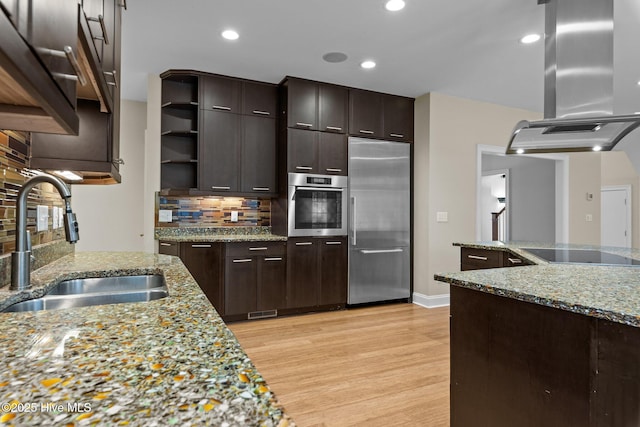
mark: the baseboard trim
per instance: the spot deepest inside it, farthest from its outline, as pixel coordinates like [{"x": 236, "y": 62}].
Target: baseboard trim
[{"x": 431, "y": 301}]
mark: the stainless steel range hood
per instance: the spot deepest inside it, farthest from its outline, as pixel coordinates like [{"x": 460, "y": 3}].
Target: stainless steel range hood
[{"x": 578, "y": 98}]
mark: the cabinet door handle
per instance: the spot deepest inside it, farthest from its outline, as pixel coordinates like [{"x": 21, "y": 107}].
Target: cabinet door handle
[
  {"x": 273, "y": 259},
  {"x": 262, "y": 113},
  {"x": 336, "y": 128},
  {"x": 112, "y": 74},
  {"x": 304, "y": 168},
  {"x": 368, "y": 132},
  {"x": 165, "y": 244},
  {"x": 242, "y": 260},
  {"x": 200, "y": 246},
  {"x": 123, "y": 3},
  {"x": 306, "y": 125},
  {"x": 481, "y": 258},
  {"x": 261, "y": 189},
  {"x": 262, "y": 248},
  {"x": 67, "y": 52},
  {"x": 332, "y": 243},
  {"x": 221, "y": 107},
  {"x": 103, "y": 27},
  {"x": 515, "y": 260},
  {"x": 304, "y": 243},
  {"x": 396, "y": 135},
  {"x": 213, "y": 187},
  {"x": 333, "y": 170}
]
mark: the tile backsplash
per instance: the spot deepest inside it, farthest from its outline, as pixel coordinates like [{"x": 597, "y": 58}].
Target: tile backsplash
[
  {"x": 192, "y": 211},
  {"x": 14, "y": 171}
]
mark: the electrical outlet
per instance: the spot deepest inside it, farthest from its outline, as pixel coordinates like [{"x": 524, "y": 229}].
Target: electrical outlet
[
  {"x": 56, "y": 214},
  {"x": 165, "y": 215},
  {"x": 442, "y": 216},
  {"x": 42, "y": 218},
  {"x": 589, "y": 218},
  {"x": 234, "y": 216}
]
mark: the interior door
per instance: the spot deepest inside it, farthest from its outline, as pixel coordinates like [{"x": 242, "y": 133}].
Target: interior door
[{"x": 615, "y": 209}]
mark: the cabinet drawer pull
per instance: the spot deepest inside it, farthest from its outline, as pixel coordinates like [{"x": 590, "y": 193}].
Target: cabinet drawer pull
[
  {"x": 332, "y": 243},
  {"x": 67, "y": 52},
  {"x": 220, "y": 188},
  {"x": 262, "y": 248},
  {"x": 261, "y": 189},
  {"x": 515, "y": 260},
  {"x": 336, "y": 128},
  {"x": 165, "y": 244},
  {"x": 200, "y": 246},
  {"x": 481, "y": 258},
  {"x": 306, "y": 125},
  {"x": 304, "y": 168},
  {"x": 221, "y": 107},
  {"x": 333, "y": 170},
  {"x": 273, "y": 259},
  {"x": 396, "y": 135},
  {"x": 304, "y": 243},
  {"x": 368, "y": 132},
  {"x": 103, "y": 27},
  {"x": 262, "y": 113},
  {"x": 242, "y": 260}
]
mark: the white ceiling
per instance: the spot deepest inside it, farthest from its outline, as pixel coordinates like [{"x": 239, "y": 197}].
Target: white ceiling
[{"x": 466, "y": 48}]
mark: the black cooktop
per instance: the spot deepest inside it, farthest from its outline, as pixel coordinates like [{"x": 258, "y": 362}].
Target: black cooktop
[{"x": 581, "y": 256}]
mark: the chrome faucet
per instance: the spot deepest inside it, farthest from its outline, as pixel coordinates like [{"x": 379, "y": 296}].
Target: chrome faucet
[{"x": 21, "y": 258}]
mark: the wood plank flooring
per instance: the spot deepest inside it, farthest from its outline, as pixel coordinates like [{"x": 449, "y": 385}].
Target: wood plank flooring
[{"x": 384, "y": 365}]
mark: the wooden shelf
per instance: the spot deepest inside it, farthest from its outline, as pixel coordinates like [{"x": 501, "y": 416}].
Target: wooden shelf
[
  {"x": 166, "y": 162},
  {"x": 180, "y": 132},
  {"x": 180, "y": 105}
]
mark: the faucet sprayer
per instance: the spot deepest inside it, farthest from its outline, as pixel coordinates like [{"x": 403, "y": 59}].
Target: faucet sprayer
[{"x": 21, "y": 258}]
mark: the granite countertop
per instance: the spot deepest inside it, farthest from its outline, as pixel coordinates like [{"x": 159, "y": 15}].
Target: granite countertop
[
  {"x": 171, "y": 361},
  {"x": 606, "y": 292},
  {"x": 217, "y": 234}
]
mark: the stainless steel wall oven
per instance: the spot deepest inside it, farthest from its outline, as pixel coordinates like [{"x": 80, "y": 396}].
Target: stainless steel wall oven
[{"x": 317, "y": 205}]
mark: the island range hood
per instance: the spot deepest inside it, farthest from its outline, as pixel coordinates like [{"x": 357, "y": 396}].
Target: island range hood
[{"x": 578, "y": 97}]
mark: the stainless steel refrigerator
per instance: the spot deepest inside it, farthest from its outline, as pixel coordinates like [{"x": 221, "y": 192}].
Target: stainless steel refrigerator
[{"x": 379, "y": 220}]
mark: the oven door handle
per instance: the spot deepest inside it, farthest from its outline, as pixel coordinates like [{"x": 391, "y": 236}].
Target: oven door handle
[{"x": 320, "y": 189}]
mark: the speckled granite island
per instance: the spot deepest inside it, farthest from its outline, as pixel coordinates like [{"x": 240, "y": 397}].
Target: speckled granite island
[
  {"x": 171, "y": 361},
  {"x": 545, "y": 344}
]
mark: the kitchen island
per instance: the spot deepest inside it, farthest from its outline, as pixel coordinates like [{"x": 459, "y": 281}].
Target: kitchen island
[
  {"x": 171, "y": 361},
  {"x": 545, "y": 344}
]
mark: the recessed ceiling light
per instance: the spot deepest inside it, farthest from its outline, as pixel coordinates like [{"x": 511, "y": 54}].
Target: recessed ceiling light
[
  {"x": 334, "y": 57},
  {"x": 368, "y": 64},
  {"x": 597, "y": 148},
  {"x": 530, "y": 38},
  {"x": 394, "y": 5},
  {"x": 230, "y": 35}
]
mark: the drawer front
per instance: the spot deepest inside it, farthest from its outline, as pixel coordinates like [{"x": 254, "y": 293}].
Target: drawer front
[
  {"x": 472, "y": 259},
  {"x": 169, "y": 248},
  {"x": 245, "y": 249}
]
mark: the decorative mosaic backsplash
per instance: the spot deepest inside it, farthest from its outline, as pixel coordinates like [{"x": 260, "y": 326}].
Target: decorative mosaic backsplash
[
  {"x": 191, "y": 211},
  {"x": 14, "y": 162}
]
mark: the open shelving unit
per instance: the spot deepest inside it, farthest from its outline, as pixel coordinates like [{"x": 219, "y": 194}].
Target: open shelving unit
[{"x": 179, "y": 132}]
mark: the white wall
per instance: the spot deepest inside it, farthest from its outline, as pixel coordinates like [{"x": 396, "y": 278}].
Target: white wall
[
  {"x": 110, "y": 217},
  {"x": 152, "y": 159}
]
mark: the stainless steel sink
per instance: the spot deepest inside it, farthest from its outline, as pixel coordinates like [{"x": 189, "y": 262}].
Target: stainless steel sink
[{"x": 97, "y": 291}]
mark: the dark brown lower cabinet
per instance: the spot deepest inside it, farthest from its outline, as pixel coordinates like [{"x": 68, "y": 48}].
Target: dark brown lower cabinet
[
  {"x": 515, "y": 363},
  {"x": 255, "y": 279},
  {"x": 204, "y": 262},
  {"x": 316, "y": 273}
]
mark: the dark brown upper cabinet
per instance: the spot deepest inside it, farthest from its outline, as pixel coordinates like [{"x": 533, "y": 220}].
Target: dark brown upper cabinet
[
  {"x": 398, "y": 118},
  {"x": 316, "y": 152},
  {"x": 37, "y": 39},
  {"x": 258, "y": 155},
  {"x": 333, "y": 104},
  {"x": 380, "y": 116},
  {"x": 312, "y": 105},
  {"x": 219, "y": 151},
  {"x": 365, "y": 113},
  {"x": 332, "y": 154},
  {"x": 259, "y": 99},
  {"x": 220, "y": 94}
]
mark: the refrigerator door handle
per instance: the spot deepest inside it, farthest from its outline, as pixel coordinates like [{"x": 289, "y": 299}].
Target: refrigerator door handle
[
  {"x": 380, "y": 251},
  {"x": 353, "y": 204}
]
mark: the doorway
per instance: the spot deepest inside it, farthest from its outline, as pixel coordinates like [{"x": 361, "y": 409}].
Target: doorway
[
  {"x": 615, "y": 210},
  {"x": 493, "y": 205}
]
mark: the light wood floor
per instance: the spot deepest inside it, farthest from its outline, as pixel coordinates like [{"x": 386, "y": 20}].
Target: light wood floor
[{"x": 376, "y": 366}]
